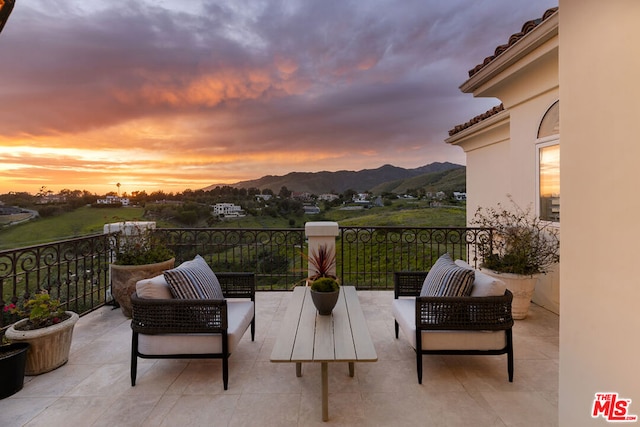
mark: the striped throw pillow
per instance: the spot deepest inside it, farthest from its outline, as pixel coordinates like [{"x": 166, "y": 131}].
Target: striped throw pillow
[
  {"x": 194, "y": 280},
  {"x": 446, "y": 279}
]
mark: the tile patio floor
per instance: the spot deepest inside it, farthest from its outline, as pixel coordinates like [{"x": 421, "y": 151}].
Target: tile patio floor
[{"x": 94, "y": 389}]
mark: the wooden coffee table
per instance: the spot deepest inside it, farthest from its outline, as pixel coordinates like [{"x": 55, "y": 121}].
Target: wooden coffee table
[{"x": 306, "y": 336}]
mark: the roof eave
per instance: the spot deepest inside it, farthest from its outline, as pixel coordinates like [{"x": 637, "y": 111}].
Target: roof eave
[
  {"x": 483, "y": 126},
  {"x": 542, "y": 33}
]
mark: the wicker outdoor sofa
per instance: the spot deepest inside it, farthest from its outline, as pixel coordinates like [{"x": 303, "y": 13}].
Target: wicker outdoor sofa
[
  {"x": 167, "y": 328},
  {"x": 469, "y": 325}
]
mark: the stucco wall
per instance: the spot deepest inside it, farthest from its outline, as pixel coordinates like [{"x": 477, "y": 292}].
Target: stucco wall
[
  {"x": 501, "y": 156},
  {"x": 525, "y": 121},
  {"x": 483, "y": 153},
  {"x": 599, "y": 113}
]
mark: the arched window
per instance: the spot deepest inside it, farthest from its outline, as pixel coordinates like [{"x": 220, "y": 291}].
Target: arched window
[{"x": 548, "y": 162}]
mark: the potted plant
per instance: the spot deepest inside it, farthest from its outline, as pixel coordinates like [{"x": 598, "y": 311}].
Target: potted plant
[
  {"x": 140, "y": 253},
  {"x": 520, "y": 248},
  {"x": 48, "y": 330},
  {"x": 324, "y": 294},
  {"x": 325, "y": 288}
]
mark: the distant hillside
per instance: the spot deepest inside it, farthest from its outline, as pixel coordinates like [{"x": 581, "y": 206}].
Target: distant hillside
[
  {"x": 447, "y": 181},
  {"x": 382, "y": 178}
]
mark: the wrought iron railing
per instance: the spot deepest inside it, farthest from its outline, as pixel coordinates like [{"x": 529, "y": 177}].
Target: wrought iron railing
[
  {"x": 275, "y": 255},
  {"x": 77, "y": 270},
  {"x": 368, "y": 256}
]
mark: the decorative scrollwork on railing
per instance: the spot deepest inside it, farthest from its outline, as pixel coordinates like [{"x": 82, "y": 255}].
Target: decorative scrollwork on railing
[
  {"x": 74, "y": 271},
  {"x": 368, "y": 256},
  {"x": 77, "y": 270},
  {"x": 275, "y": 255}
]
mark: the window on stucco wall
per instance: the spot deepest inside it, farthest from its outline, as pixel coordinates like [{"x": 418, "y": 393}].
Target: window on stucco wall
[{"x": 548, "y": 163}]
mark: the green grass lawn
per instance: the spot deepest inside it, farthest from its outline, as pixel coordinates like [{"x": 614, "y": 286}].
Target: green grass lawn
[
  {"x": 399, "y": 214},
  {"x": 407, "y": 217},
  {"x": 79, "y": 222},
  {"x": 86, "y": 220}
]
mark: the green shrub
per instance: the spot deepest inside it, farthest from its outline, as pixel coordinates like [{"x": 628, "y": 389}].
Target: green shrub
[
  {"x": 520, "y": 243},
  {"x": 324, "y": 284}
]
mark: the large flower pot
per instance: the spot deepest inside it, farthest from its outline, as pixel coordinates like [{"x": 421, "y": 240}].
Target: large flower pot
[
  {"x": 325, "y": 301},
  {"x": 13, "y": 358},
  {"x": 125, "y": 277},
  {"x": 522, "y": 288},
  {"x": 48, "y": 347}
]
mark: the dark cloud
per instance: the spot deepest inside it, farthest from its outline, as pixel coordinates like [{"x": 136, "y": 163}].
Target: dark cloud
[{"x": 253, "y": 77}]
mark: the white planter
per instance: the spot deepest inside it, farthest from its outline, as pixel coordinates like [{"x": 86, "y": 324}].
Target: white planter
[
  {"x": 522, "y": 288},
  {"x": 48, "y": 347}
]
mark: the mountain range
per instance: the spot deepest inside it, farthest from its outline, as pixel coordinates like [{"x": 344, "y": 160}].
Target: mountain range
[{"x": 432, "y": 177}]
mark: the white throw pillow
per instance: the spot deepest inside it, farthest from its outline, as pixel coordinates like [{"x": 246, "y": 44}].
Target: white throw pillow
[
  {"x": 154, "y": 288},
  {"x": 483, "y": 284}
]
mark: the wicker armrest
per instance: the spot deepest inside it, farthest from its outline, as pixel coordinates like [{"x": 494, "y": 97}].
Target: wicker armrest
[
  {"x": 238, "y": 285},
  {"x": 464, "y": 313},
  {"x": 165, "y": 316},
  {"x": 408, "y": 283}
]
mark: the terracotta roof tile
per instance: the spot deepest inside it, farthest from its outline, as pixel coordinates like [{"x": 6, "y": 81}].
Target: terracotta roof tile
[
  {"x": 526, "y": 28},
  {"x": 477, "y": 119}
]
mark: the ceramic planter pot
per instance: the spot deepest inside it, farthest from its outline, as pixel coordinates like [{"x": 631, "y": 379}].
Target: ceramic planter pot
[
  {"x": 522, "y": 288},
  {"x": 125, "y": 277},
  {"x": 325, "y": 301},
  {"x": 13, "y": 359},
  {"x": 48, "y": 347}
]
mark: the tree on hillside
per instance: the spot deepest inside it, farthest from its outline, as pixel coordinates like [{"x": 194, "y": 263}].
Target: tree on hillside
[{"x": 284, "y": 193}]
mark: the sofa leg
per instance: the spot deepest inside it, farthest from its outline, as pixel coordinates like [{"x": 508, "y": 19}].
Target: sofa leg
[
  {"x": 510, "y": 366},
  {"x": 510, "y": 354},
  {"x": 134, "y": 358},
  {"x": 419, "y": 366},
  {"x": 225, "y": 372},
  {"x": 397, "y": 328},
  {"x": 253, "y": 329}
]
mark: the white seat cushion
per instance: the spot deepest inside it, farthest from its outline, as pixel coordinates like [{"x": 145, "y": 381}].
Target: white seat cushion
[
  {"x": 404, "y": 311},
  {"x": 239, "y": 314}
]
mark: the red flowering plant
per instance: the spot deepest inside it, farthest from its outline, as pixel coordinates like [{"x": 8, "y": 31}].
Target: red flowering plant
[{"x": 41, "y": 311}]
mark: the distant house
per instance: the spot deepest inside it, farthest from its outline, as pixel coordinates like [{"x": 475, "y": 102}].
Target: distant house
[
  {"x": 9, "y": 210},
  {"x": 114, "y": 200},
  {"x": 264, "y": 197},
  {"x": 361, "y": 198},
  {"x": 459, "y": 196},
  {"x": 303, "y": 196},
  {"x": 311, "y": 210},
  {"x": 328, "y": 197},
  {"x": 439, "y": 195},
  {"x": 228, "y": 210},
  {"x": 51, "y": 198}
]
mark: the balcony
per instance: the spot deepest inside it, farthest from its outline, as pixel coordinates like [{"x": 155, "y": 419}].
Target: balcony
[{"x": 94, "y": 388}]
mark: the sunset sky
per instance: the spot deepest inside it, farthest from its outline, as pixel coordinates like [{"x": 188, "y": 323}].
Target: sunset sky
[{"x": 169, "y": 95}]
